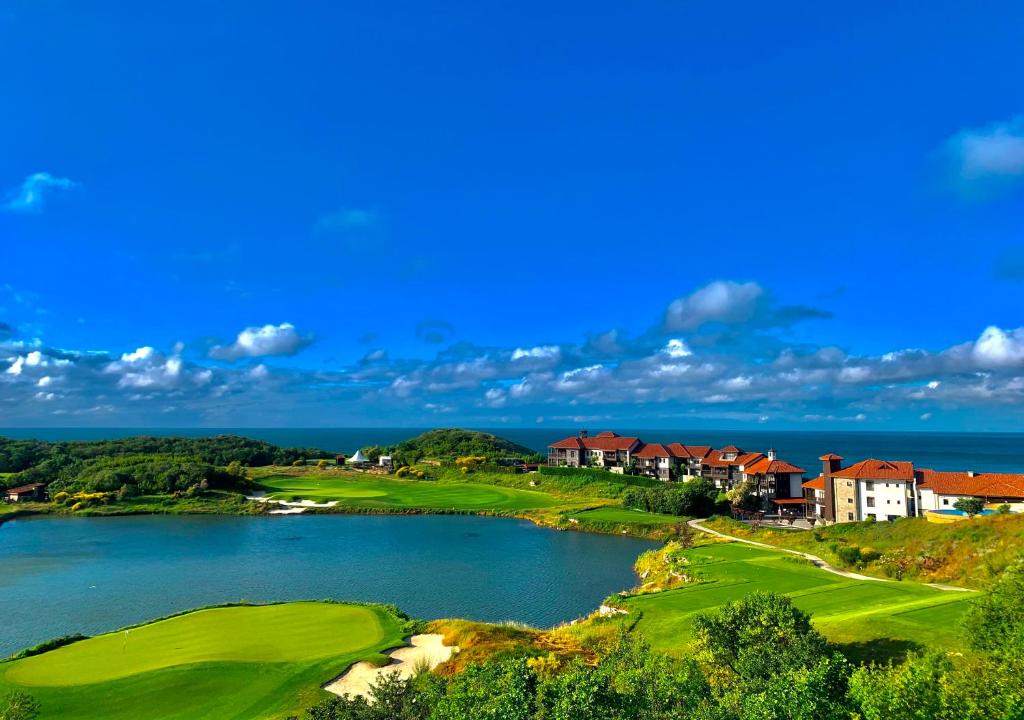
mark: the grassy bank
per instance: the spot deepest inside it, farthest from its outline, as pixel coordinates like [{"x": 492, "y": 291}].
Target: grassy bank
[
  {"x": 552, "y": 501},
  {"x": 969, "y": 553},
  {"x": 235, "y": 662},
  {"x": 869, "y": 619}
]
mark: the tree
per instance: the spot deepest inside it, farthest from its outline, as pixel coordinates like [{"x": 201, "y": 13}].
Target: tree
[
  {"x": 753, "y": 638},
  {"x": 994, "y": 623},
  {"x": 970, "y": 505},
  {"x": 19, "y": 706}
]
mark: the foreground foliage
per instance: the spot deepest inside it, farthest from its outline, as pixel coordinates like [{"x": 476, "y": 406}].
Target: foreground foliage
[{"x": 758, "y": 658}]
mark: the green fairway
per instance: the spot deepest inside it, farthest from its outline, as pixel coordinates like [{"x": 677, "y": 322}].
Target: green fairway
[
  {"x": 627, "y": 516},
  {"x": 389, "y": 493},
  {"x": 846, "y": 611},
  {"x": 222, "y": 663}
]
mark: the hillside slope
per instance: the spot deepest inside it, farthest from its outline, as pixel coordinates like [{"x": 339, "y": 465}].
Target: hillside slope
[
  {"x": 969, "y": 553},
  {"x": 450, "y": 443}
]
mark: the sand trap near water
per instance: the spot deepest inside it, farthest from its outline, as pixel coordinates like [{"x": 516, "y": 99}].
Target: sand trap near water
[{"x": 428, "y": 650}]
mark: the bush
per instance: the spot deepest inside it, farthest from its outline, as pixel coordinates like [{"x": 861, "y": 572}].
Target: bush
[
  {"x": 60, "y": 498},
  {"x": 695, "y": 498},
  {"x": 849, "y": 555}
]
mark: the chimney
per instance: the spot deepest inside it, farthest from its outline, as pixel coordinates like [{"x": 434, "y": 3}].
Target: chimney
[
  {"x": 583, "y": 434},
  {"x": 771, "y": 454},
  {"x": 830, "y": 465}
]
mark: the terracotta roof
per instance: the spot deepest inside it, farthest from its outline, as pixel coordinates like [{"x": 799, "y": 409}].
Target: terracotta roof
[
  {"x": 872, "y": 469},
  {"x": 607, "y": 434},
  {"x": 653, "y": 450},
  {"x": 694, "y": 451},
  {"x": 1002, "y": 485},
  {"x": 610, "y": 442},
  {"x": 831, "y": 456},
  {"x": 731, "y": 449},
  {"x": 24, "y": 488},
  {"x": 714, "y": 459},
  {"x": 817, "y": 483},
  {"x": 573, "y": 442},
  {"x": 764, "y": 465},
  {"x": 746, "y": 459}
]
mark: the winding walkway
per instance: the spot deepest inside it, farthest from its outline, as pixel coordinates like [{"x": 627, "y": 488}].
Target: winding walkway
[{"x": 698, "y": 524}]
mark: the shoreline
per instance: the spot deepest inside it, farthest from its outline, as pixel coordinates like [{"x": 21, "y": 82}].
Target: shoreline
[{"x": 659, "y": 533}]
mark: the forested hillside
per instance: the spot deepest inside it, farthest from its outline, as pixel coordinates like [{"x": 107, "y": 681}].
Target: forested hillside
[
  {"x": 449, "y": 444},
  {"x": 165, "y": 463}
]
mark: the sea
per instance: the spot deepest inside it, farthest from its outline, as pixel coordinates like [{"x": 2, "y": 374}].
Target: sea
[{"x": 980, "y": 452}]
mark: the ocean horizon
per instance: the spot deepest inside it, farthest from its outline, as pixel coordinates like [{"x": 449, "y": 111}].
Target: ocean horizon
[{"x": 980, "y": 451}]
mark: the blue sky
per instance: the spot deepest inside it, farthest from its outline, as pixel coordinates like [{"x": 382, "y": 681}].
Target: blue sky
[{"x": 657, "y": 214}]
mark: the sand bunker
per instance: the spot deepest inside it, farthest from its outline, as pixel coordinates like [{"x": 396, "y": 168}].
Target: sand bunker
[
  {"x": 426, "y": 650},
  {"x": 291, "y": 508}
]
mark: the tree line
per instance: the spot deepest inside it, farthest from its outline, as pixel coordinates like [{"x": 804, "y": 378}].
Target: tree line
[{"x": 150, "y": 462}]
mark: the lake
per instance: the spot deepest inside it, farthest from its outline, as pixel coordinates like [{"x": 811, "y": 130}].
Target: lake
[{"x": 91, "y": 575}]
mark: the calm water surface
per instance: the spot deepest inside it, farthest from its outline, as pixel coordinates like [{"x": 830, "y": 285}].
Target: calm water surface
[{"x": 90, "y": 575}]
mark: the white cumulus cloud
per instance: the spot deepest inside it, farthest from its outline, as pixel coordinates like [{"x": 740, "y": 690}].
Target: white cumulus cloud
[
  {"x": 722, "y": 301},
  {"x": 280, "y": 339}
]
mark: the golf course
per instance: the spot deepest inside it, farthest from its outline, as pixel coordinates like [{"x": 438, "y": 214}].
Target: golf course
[
  {"x": 229, "y": 663},
  {"x": 355, "y": 490},
  {"x": 876, "y": 616}
]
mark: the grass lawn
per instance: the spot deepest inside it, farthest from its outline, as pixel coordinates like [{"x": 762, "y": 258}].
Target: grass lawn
[
  {"x": 626, "y": 516},
  {"x": 374, "y": 491},
  {"x": 874, "y": 619},
  {"x": 231, "y": 663}
]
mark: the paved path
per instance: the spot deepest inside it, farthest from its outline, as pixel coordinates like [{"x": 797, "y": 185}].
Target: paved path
[{"x": 817, "y": 561}]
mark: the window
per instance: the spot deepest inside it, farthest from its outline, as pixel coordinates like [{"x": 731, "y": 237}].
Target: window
[
  {"x": 898, "y": 502},
  {"x": 849, "y": 516},
  {"x": 869, "y": 485},
  {"x": 849, "y": 483},
  {"x": 849, "y": 500},
  {"x": 888, "y": 502},
  {"x": 890, "y": 518},
  {"x": 871, "y": 502},
  {"x": 945, "y": 501}
]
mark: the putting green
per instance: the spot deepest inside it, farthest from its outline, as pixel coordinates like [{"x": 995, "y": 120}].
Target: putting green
[
  {"x": 382, "y": 492},
  {"x": 232, "y": 663},
  {"x": 846, "y": 611},
  {"x": 271, "y": 633}
]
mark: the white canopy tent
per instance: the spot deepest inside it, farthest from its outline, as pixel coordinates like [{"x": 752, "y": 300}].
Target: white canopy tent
[{"x": 358, "y": 458}]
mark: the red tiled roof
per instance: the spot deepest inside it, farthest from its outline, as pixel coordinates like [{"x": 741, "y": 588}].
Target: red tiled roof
[
  {"x": 694, "y": 451},
  {"x": 817, "y": 483},
  {"x": 714, "y": 459},
  {"x": 601, "y": 441},
  {"x": 610, "y": 441},
  {"x": 573, "y": 442},
  {"x": 731, "y": 449},
  {"x": 746, "y": 459},
  {"x": 653, "y": 450},
  {"x": 764, "y": 465},
  {"x": 1002, "y": 485},
  {"x": 872, "y": 469},
  {"x": 831, "y": 456}
]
